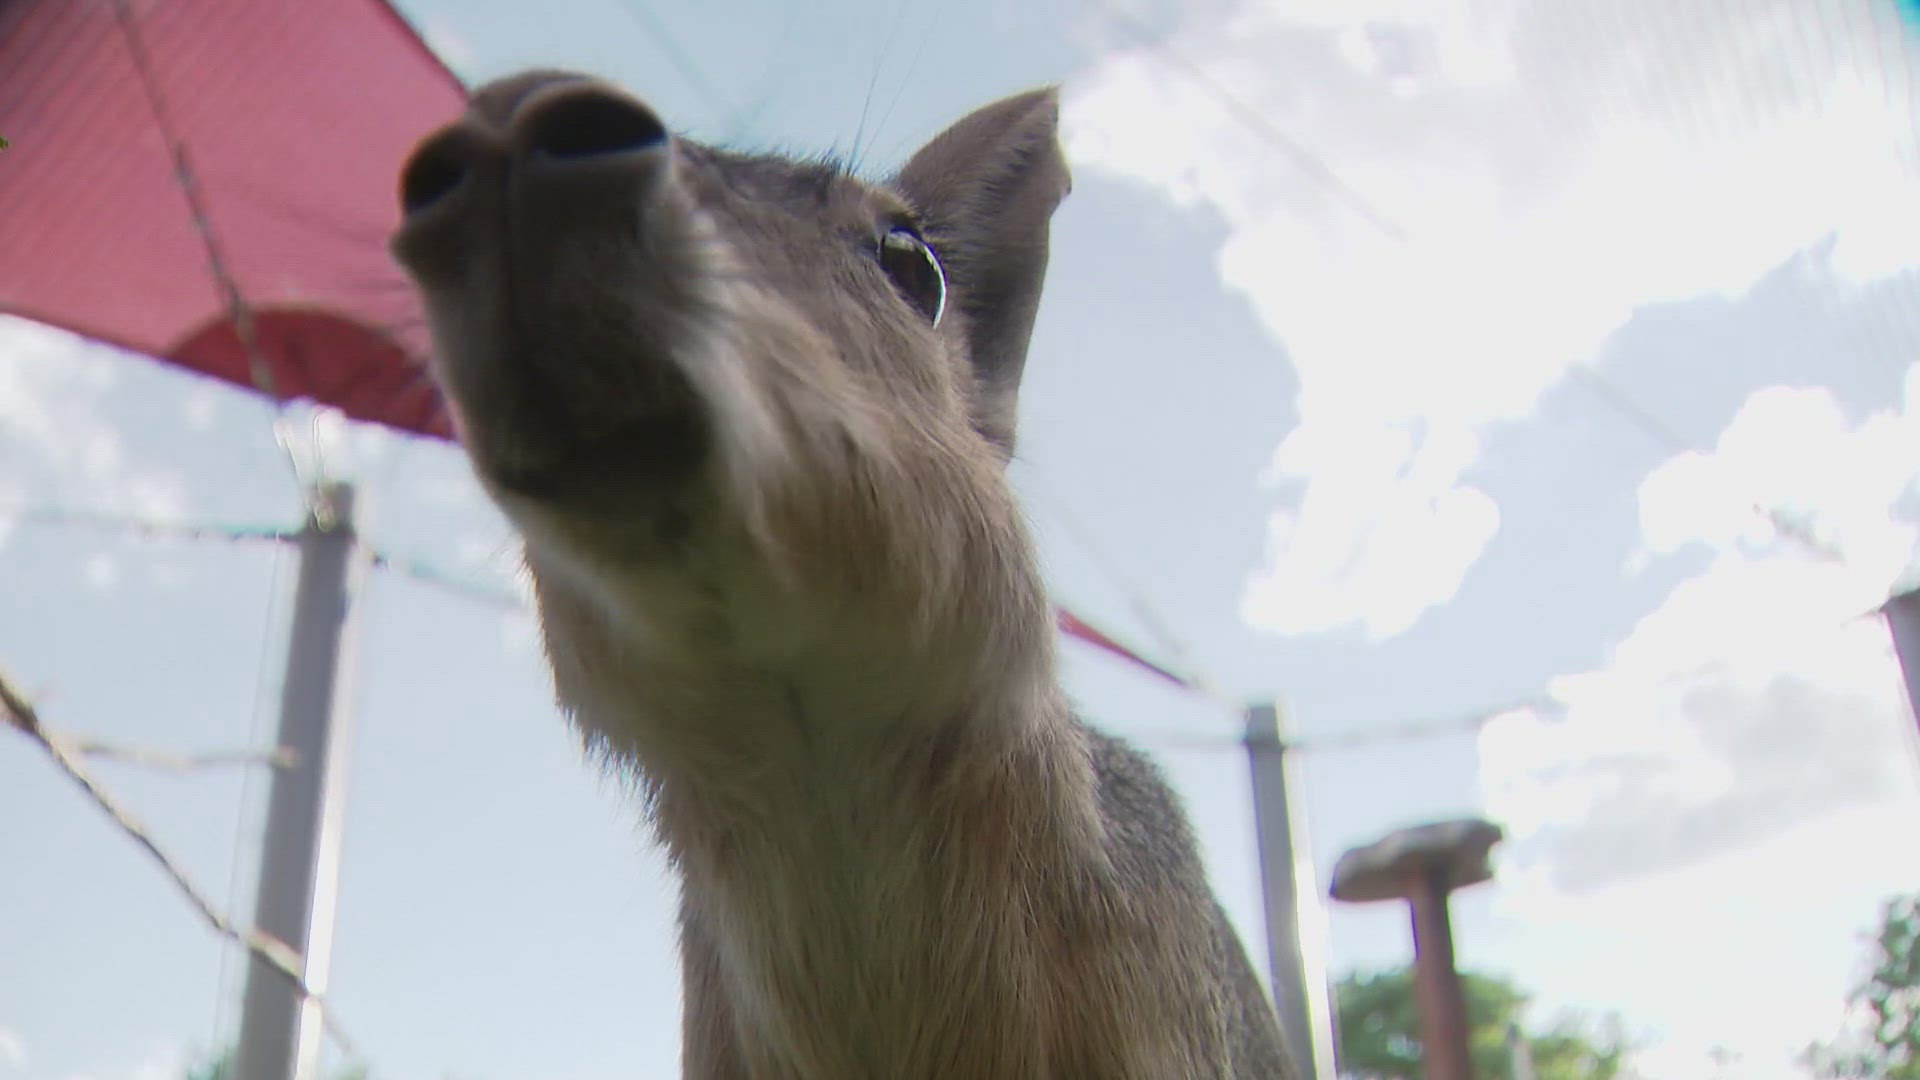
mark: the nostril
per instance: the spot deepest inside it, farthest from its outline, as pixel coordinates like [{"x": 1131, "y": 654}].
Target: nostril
[
  {"x": 431, "y": 175},
  {"x": 580, "y": 125}
]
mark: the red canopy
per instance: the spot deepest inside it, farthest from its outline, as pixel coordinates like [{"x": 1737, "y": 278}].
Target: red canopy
[
  {"x": 291, "y": 117},
  {"x": 187, "y": 174}
]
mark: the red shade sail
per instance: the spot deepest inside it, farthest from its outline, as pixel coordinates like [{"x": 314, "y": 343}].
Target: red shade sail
[
  {"x": 212, "y": 183},
  {"x": 150, "y": 137}
]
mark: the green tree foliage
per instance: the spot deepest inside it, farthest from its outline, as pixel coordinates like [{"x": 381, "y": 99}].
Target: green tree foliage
[
  {"x": 1380, "y": 1032},
  {"x": 1885, "y": 1006}
]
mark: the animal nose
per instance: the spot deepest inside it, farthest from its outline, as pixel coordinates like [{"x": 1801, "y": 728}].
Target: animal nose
[
  {"x": 584, "y": 121},
  {"x": 437, "y": 169},
  {"x": 557, "y": 124}
]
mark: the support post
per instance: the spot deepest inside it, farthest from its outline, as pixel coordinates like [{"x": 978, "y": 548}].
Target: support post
[
  {"x": 300, "y": 859},
  {"x": 1443, "y": 1009},
  {"x": 1519, "y": 1054},
  {"x": 1421, "y": 865},
  {"x": 1296, "y": 975},
  {"x": 1903, "y": 622}
]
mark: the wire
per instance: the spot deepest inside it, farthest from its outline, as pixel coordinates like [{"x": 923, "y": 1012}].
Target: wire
[
  {"x": 1433, "y": 726},
  {"x": 1671, "y": 441},
  {"x": 244, "y": 327},
  {"x": 67, "y": 751},
  {"x": 1250, "y": 118},
  {"x": 654, "y": 28},
  {"x": 449, "y": 583},
  {"x": 146, "y": 757},
  {"x": 873, "y": 81},
  {"x": 146, "y": 528},
  {"x": 1401, "y": 731},
  {"x": 1135, "y": 597},
  {"x": 1649, "y": 425},
  {"x": 247, "y": 810},
  {"x": 1430, "y": 727},
  {"x": 20, "y": 714},
  {"x": 913, "y": 65}
]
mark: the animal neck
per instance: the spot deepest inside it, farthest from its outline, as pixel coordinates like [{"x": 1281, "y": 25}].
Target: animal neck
[
  {"x": 878, "y": 831},
  {"x": 894, "y": 918}
]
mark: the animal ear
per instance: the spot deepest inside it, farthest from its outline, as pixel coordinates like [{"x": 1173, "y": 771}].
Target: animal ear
[{"x": 985, "y": 190}]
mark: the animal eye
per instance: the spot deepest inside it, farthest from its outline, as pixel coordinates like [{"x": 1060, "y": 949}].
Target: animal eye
[{"x": 915, "y": 271}]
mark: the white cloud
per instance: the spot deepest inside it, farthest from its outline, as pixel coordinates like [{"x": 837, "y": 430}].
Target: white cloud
[
  {"x": 1553, "y": 168},
  {"x": 1837, "y": 544},
  {"x": 13, "y": 1049},
  {"x": 1754, "y": 696},
  {"x": 1397, "y": 521},
  {"x": 1792, "y": 452},
  {"x": 61, "y": 453},
  {"x": 1754, "y": 949},
  {"x": 1642, "y": 775},
  {"x": 1698, "y": 852},
  {"x": 1697, "y": 835}
]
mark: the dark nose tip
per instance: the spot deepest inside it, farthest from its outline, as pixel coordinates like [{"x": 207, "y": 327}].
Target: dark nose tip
[
  {"x": 553, "y": 119},
  {"x": 438, "y": 167},
  {"x": 587, "y": 121}
]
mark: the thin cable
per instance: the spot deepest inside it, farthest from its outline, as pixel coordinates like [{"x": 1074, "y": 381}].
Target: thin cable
[
  {"x": 246, "y": 811},
  {"x": 164, "y": 761},
  {"x": 1400, "y": 731},
  {"x": 497, "y": 557},
  {"x": 146, "y": 529},
  {"x": 20, "y": 714},
  {"x": 1250, "y": 118},
  {"x": 238, "y": 310},
  {"x": 873, "y": 81},
  {"x": 465, "y": 588},
  {"x": 189, "y": 185},
  {"x": 651, "y": 25},
  {"x": 1135, "y": 597},
  {"x": 913, "y": 65},
  {"x": 1671, "y": 441},
  {"x": 428, "y": 574},
  {"x": 1455, "y": 723},
  {"x": 1649, "y": 425}
]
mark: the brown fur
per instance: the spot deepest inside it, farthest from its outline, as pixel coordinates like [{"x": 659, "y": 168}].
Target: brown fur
[{"x": 783, "y": 579}]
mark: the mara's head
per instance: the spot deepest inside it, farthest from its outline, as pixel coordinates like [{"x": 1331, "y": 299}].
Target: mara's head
[{"x": 639, "y": 332}]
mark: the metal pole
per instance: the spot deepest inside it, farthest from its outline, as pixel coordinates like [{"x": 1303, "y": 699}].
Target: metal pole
[
  {"x": 1519, "y": 1054},
  {"x": 1299, "y": 987},
  {"x": 1903, "y": 621},
  {"x": 300, "y": 859},
  {"x": 1443, "y": 1009}
]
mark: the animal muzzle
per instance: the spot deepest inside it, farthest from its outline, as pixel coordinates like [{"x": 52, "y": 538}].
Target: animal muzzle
[{"x": 563, "y": 264}]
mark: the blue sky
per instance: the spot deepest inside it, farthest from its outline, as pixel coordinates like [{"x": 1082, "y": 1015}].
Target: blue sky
[{"x": 1620, "y": 409}]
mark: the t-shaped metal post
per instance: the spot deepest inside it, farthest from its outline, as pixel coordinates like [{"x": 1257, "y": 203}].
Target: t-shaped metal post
[{"x": 1422, "y": 865}]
